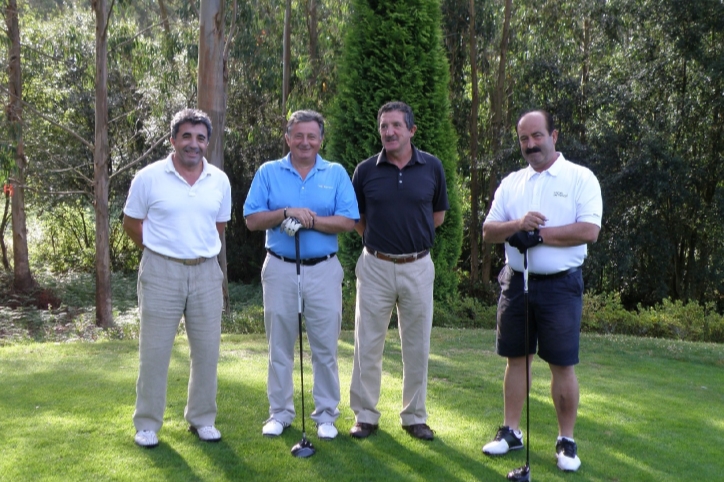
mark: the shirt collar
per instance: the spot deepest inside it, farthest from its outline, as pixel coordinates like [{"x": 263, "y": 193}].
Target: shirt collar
[
  {"x": 415, "y": 159},
  {"x": 171, "y": 168},
  {"x": 554, "y": 170},
  {"x": 319, "y": 163}
]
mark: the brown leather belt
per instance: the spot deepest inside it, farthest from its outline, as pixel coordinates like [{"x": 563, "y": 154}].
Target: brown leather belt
[
  {"x": 187, "y": 262},
  {"x": 396, "y": 260}
]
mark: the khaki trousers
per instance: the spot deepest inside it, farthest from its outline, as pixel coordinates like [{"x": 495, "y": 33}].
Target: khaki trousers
[
  {"x": 322, "y": 302},
  {"x": 168, "y": 290},
  {"x": 382, "y": 285}
]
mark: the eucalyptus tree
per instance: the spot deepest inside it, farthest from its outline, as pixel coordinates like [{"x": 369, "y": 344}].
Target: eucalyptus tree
[
  {"x": 22, "y": 277},
  {"x": 391, "y": 54}
]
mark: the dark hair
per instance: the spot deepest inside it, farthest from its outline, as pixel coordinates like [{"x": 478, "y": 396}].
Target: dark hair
[
  {"x": 194, "y": 116},
  {"x": 398, "y": 106},
  {"x": 306, "y": 116},
  {"x": 550, "y": 123}
]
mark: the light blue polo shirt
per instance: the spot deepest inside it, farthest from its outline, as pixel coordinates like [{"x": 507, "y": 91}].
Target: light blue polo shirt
[{"x": 327, "y": 190}]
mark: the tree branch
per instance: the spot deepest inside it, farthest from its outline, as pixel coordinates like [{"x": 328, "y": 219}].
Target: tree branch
[
  {"x": 142, "y": 157},
  {"x": 232, "y": 32},
  {"x": 47, "y": 119},
  {"x": 135, "y": 36}
]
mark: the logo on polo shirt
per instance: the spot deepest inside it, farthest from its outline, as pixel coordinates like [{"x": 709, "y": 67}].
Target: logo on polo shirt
[
  {"x": 322, "y": 186},
  {"x": 559, "y": 194}
]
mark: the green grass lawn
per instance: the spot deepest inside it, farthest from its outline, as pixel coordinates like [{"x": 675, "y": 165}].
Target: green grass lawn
[{"x": 651, "y": 410}]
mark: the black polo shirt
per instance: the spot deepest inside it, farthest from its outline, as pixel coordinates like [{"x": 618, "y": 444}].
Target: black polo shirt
[{"x": 398, "y": 203}]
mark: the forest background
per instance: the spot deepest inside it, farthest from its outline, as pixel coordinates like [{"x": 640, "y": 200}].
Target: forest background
[{"x": 636, "y": 86}]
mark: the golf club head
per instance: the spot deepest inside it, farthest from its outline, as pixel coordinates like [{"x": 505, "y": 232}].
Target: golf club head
[
  {"x": 303, "y": 449},
  {"x": 521, "y": 474}
]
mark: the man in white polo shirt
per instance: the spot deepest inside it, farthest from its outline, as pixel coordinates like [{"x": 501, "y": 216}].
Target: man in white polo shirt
[
  {"x": 176, "y": 211},
  {"x": 552, "y": 208}
]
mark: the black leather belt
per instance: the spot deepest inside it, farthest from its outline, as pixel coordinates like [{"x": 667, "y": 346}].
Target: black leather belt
[
  {"x": 540, "y": 277},
  {"x": 398, "y": 260},
  {"x": 187, "y": 262},
  {"x": 304, "y": 262}
]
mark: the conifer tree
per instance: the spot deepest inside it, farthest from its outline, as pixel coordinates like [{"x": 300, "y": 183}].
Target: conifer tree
[{"x": 393, "y": 51}]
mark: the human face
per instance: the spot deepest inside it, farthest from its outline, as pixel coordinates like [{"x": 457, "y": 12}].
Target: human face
[
  {"x": 536, "y": 144},
  {"x": 190, "y": 145},
  {"x": 304, "y": 142},
  {"x": 396, "y": 137}
]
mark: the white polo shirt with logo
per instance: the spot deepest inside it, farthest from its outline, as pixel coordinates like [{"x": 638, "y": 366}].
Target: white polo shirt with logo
[{"x": 565, "y": 193}]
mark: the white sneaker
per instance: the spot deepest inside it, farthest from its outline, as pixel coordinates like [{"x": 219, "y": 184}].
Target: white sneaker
[
  {"x": 146, "y": 439},
  {"x": 273, "y": 428},
  {"x": 566, "y": 453},
  {"x": 206, "y": 434},
  {"x": 326, "y": 431}
]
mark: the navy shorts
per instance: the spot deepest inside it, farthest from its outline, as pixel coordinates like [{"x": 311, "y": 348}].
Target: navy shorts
[{"x": 555, "y": 307}]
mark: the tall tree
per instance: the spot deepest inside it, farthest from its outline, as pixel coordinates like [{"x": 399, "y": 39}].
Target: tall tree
[
  {"x": 23, "y": 279},
  {"x": 474, "y": 230},
  {"x": 286, "y": 64},
  {"x": 101, "y": 155},
  {"x": 211, "y": 83},
  {"x": 414, "y": 71},
  {"x": 497, "y": 124}
]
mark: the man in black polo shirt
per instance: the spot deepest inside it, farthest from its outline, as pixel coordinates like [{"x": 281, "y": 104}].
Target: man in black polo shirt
[{"x": 402, "y": 198}]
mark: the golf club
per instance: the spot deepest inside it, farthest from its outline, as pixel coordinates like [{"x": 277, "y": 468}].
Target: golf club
[
  {"x": 304, "y": 448},
  {"x": 522, "y": 474}
]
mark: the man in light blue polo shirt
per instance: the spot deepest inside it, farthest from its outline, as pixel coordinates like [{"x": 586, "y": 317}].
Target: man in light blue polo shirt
[{"x": 302, "y": 192}]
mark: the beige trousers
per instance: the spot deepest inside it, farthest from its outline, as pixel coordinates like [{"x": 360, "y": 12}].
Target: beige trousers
[
  {"x": 168, "y": 290},
  {"x": 322, "y": 299},
  {"x": 382, "y": 285}
]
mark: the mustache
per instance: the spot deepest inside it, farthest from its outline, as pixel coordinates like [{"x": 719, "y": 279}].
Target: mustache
[{"x": 532, "y": 150}]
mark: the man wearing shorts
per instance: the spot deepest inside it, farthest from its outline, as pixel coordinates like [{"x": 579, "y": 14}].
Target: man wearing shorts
[{"x": 553, "y": 209}]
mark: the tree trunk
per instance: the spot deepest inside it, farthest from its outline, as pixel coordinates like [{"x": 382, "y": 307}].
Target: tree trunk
[
  {"x": 474, "y": 188},
  {"x": 312, "y": 24},
  {"x": 212, "y": 95},
  {"x": 3, "y": 226},
  {"x": 164, "y": 17},
  {"x": 286, "y": 66},
  {"x": 497, "y": 128},
  {"x": 101, "y": 154},
  {"x": 23, "y": 278}
]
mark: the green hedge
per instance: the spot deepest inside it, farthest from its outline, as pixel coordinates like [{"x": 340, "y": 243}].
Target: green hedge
[{"x": 689, "y": 321}]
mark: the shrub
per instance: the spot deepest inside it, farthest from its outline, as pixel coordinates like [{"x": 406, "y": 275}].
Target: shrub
[{"x": 604, "y": 313}]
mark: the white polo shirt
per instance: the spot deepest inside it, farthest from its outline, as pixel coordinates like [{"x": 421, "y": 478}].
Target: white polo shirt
[
  {"x": 179, "y": 220},
  {"x": 565, "y": 193}
]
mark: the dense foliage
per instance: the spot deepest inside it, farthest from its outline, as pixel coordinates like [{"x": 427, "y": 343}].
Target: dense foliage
[
  {"x": 637, "y": 87},
  {"x": 391, "y": 54}
]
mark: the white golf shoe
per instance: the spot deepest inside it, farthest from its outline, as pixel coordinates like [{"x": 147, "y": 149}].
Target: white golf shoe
[
  {"x": 206, "y": 434},
  {"x": 273, "y": 428},
  {"x": 326, "y": 431},
  {"x": 566, "y": 453},
  {"x": 146, "y": 439},
  {"x": 504, "y": 441}
]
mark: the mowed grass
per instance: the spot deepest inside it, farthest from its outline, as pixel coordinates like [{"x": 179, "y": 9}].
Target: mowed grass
[{"x": 651, "y": 410}]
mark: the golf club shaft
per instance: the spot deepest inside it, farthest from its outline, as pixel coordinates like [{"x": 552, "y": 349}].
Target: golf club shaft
[
  {"x": 299, "y": 311},
  {"x": 527, "y": 367}
]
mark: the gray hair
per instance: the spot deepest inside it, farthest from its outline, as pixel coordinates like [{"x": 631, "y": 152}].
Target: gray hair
[
  {"x": 194, "y": 116},
  {"x": 306, "y": 116},
  {"x": 400, "y": 107}
]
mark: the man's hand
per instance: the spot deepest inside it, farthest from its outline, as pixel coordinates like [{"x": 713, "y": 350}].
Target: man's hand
[
  {"x": 523, "y": 240},
  {"x": 290, "y": 226}
]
